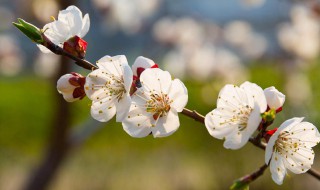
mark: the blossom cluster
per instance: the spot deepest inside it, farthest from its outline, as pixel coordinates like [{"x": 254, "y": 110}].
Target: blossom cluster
[
  {"x": 243, "y": 110},
  {"x": 147, "y": 100}
]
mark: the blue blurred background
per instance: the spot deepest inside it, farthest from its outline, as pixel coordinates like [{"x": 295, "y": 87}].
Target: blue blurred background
[{"x": 206, "y": 43}]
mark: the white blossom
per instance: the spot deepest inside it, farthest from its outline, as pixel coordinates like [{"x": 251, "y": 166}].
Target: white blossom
[
  {"x": 237, "y": 115},
  {"x": 70, "y": 23},
  {"x": 275, "y": 99},
  {"x": 155, "y": 105},
  {"x": 290, "y": 147},
  {"x": 108, "y": 87}
]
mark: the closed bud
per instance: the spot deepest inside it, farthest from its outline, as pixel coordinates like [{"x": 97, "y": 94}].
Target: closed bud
[
  {"x": 71, "y": 86},
  {"x": 76, "y": 46},
  {"x": 275, "y": 99}
]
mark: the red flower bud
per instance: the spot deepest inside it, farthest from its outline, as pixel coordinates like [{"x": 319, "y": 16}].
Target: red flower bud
[{"x": 76, "y": 46}]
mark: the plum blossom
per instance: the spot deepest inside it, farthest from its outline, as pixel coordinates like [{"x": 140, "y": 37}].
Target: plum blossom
[
  {"x": 237, "y": 115},
  {"x": 70, "y": 23},
  {"x": 108, "y": 87},
  {"x": 275, "y": 99},
  {"x": 71, "y": 86},
  {"x": 290, "y": 147},
  {"x": 155, "y": 105}
]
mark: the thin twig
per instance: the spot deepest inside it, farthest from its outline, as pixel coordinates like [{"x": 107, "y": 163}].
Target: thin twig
[
  {"x": 251, "y": 177},
  {"x": 193, "y": 114}
]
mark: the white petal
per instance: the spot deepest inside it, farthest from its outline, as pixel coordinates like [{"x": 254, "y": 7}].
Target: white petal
[
  {"x": 103, "y": 110},
  {"x": 275, "y": 99},
  {"x": 253, "y": 121},
  {"x": 156, "y": 80},
  {"x": 166, "y": 125},
  {"x": 290, "y": 123},
  {"x": 123, "y": 107},
  {"x": 300, "y": 161},
  {"x": 235, "y": 140},
  {"x": 138, "y": 121},
  {"x": 68, "y": 96},
  {"x": 269, "y": 148},
  {"x": 232, "y": 97},
  {"x": 277, "y": 168},
  {"x": 142, "y": 62},
  {"x": 72, "y": 17},
  {"x": 85, "y": 26},
  {"x": 127, "y": 77},
  {"x": 178, "y": 93},
  {"x": 113, "y": 65},
  {"x": 95, "y": 85},
  {"x": 63, "y": 84},
  {"x": 60, "y": 31},
  {"x": 216, "y": 125},
  {"x": 257, "y": 93},
  {"x": 306, "y": 132}
]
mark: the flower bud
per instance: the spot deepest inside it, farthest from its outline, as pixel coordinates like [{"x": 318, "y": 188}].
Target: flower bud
[
  {"x": 275, "y": 99},
  {"x": 71, "y": 86},
  {"x": 142, "y": 63},
  {"x": 76, "y": 46}
]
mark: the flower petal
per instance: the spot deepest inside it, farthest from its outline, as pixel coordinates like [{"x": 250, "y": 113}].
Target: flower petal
[
  {"x": 95, "y": 87},
  {"x": 123, "y": 107},
  {"x": 166, "y": 125},
  {"x": 156, "y": 80},
  {"x": 72, "y": 17},
  {"x": 216, "y": 124},
  {"x": 142, "y": 62},
  {"x": 85, "y": 26},
  {"x": 103, "y": 110},
  {"x": 113, "y": 64},
  {"x": 306, "y": 132},
  {"x": 253, "y": 121},
  {"x": 269, "y": 148},
  {"x": 138, "y": 121},
  {"x": 290, "y": 123},
  {"x": 277, "y": 168},
  {"x": 232, "y": 97},
  {"x": 128, "y": 77},
  {"x": 178, "y": 93},
  {"x": 299, "y": 161},
  {"x": 257, "y": 93}
]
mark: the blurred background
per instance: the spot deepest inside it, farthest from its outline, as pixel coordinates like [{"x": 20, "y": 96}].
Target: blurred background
[{"x": 205, "y": 43}]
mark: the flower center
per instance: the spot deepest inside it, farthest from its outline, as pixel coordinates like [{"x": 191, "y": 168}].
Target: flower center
[
  {"x": 116, "y": 87},
  {"x": 240, "y": 117},
  {"x": 285, "y": 143},
  {"x": 159, "y": 105},
  {"x": 243, "y": 116}
]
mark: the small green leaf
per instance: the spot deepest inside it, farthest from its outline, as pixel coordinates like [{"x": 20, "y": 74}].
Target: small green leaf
[
  {"x": 29, "y": 30},
  {"x": 239, "y": 185}
]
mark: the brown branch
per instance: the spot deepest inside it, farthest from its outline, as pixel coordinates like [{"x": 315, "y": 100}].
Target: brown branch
[
  {"x": 193, "y": 114},
  {"x": 59, "y": 146},
  {"x": 244, "y": 181}
]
